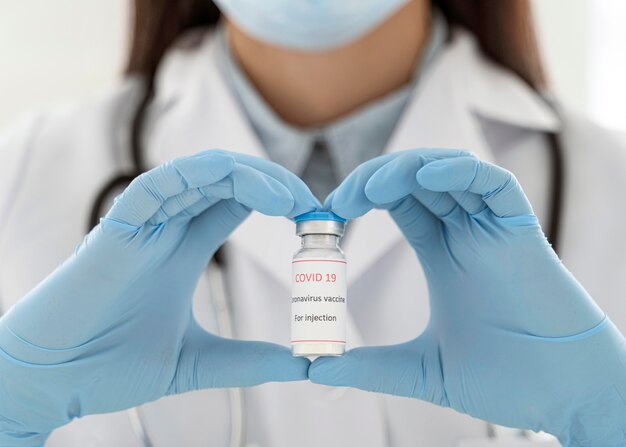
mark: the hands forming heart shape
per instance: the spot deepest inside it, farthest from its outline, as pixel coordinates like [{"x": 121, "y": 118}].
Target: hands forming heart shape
[{"x": 512, "y": 339}]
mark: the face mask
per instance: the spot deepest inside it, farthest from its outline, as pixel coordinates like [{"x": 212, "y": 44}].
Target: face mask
[{"x": 312, "y": 25}]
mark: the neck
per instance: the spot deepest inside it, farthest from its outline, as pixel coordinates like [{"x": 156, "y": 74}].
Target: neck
[{"x": 309, "y": 89}]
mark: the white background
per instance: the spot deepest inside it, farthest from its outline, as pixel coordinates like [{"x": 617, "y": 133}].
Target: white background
[{"x": 52, "y": 51}]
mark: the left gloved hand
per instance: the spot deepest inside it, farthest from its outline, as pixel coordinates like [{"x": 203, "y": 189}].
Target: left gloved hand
[
  {"x": 113, "y": 326},
  {"x": 513, "y": 338}
]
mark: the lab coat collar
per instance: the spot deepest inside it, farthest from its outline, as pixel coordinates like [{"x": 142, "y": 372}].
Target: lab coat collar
[{"x": 194, "y": 110}]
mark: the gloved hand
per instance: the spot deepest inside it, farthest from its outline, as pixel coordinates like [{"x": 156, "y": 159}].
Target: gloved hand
[
  {"x": 112, "y": 327},
  {"x": 512, "y": 338}
]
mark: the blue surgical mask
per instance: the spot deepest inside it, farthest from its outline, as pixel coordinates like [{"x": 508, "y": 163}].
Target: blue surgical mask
[{"x": 311, "y": 25}]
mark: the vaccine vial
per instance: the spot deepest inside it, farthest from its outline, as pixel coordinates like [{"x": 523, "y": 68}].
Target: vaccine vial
[{"x": 319, "y": 289}]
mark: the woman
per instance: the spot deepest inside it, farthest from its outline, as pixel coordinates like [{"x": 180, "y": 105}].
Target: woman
[{"x": 511, "y": 337}]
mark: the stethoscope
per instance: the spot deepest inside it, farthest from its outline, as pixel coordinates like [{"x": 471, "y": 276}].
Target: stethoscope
[{"x": 219, "y": 295}]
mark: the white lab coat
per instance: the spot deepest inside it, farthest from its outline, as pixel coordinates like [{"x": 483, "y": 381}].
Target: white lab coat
[{"x": 52, "y": 166}]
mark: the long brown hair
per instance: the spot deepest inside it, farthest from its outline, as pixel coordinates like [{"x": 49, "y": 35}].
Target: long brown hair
[{"x": 504, "y": 30}]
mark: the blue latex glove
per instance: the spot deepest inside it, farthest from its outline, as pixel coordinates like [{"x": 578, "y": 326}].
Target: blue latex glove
[
  {"x": 512, "y": 338},
  {"x": 112, "y": 327}
]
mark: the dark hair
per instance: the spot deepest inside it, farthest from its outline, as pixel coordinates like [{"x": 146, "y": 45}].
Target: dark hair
[{"x": 504, "y": 29}]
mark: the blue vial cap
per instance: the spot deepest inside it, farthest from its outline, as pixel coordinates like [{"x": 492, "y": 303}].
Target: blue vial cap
[{"x": 319, "y": 215}]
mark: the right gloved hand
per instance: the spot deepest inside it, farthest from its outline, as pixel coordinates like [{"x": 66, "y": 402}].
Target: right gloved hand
[
  {"x": 112, "y": 327},
  {"x": 513, "y": 338}
]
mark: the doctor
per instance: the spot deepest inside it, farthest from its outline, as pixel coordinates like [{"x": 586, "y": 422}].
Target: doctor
[{"x": 322, "y": 89}]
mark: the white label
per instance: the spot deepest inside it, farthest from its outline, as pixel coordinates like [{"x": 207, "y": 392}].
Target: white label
[{"x": 318, "y": 301}]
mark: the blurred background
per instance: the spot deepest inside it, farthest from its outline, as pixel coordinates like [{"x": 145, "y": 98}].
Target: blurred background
[{"x": 67, "y": 49}]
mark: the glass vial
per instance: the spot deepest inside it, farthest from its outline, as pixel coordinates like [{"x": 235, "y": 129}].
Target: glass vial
[{"x": 319, "y": 288}]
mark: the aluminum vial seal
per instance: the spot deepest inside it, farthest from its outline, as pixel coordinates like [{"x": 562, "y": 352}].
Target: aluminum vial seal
[{"x": 320, "y": 222}]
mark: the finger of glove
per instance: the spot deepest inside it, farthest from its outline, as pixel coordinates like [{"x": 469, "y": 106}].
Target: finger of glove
[
  {"x": 470, "y": 202},
  {"x": 254, "y": 189},
  {"x": 498, "y": 187},
  {"x": 193, "y": 202},
  {"x": 419, "y": 226},
  {"x": 400, "y": 370},
  {"x": 182, "y": 203},
  {"x": 246, "y": 184},
  {"x": 440, "y": 204},
  {"x": 270, "y": 196},
  {"x": 397, "y": 179},
  {"x": 208, "y": 361},
  {"x": 348, "y": 200},
  {"x": 200, "y": 206},
  {"x": 228, "y": 202},
  {"x": 147, "y": 193},
  {"x": 305, "y": 201},
  {"x": 395, "y": 184}
]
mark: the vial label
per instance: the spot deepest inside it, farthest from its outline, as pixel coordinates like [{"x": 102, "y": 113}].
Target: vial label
[{"x": 318, "y": 301}]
